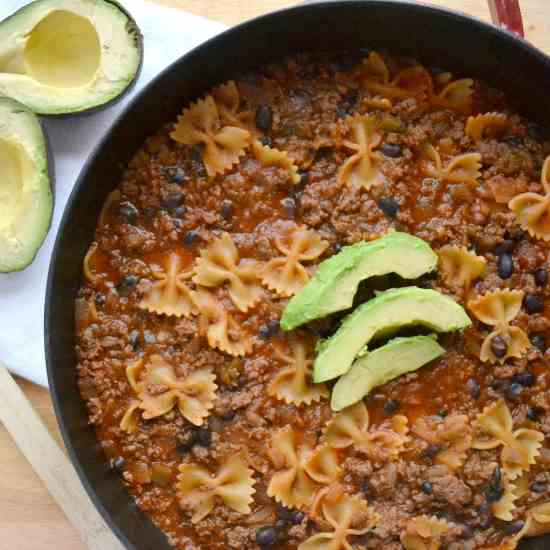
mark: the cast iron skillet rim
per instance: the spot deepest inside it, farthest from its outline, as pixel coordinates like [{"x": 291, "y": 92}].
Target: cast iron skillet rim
[{"x": 318, "y": 5}]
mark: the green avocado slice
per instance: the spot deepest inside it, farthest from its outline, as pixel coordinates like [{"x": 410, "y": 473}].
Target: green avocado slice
[
  {"x": 336, "y": 280},
  {"x": 26, "y": 198},
  {"x": 397, "y": 357},
  {"x": 68, "y": 56},
  {"x": 387, "y": 313}
]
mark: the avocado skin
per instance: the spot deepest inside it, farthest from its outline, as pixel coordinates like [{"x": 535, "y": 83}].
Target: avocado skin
[
  {"x": 16, "y": 105},
  {"x": 138, "y": 36},
  {"x": 317, "y": 299},
  {"x": 337, "y": 353},
  {"x": 399, "y": 356}
]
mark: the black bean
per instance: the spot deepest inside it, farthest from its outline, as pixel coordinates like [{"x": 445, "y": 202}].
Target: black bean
[
  {"x": 505, "y": 266},
  {"x": 513, "y": 528},
  {"x": 467, "y": 532},
  {"x": 127, "y": 285},
  {"x": 226, "y": 209},
  {"x": 178, "y": 175},
  {"x": 190, "y": 238},
  {"x": 538, "y": 487},
  {"x": 284, "y": 513},
  {"x": 266, "y": 536},
  {"x": 266, "y": 141},
  {"x": 128, "y": 211},
  {"x": 273, "y": 326},
  {"x": 496, "y": 477},
  {"x": 541, "y": 276},
  {"x": 392, "y": 150},
  {"x": 265, "y": 333},
  {"x": 536, "y": 131},
  {"x": 264, "y": 118},
  {"x": 514, "y": 141},
  {"x": 118, "y": 464},
  {"x": 150, "y": 212},
  {"x": 499, "y": 346},
  {"x": 281, "y": 525},
  {"x": 427, "y": 488},
  {"x": 289, "y": 205},
  {"x": 228, "y": 416},
  {"x": 500, "y": 385},
  {"x": 336, "y": 247},
  {"x": 532, "y": 415},
  {"x": 304, "y": 179},
  {"x": 133, "y": 338},
  {"x": 505, "y": 247},
  {"x": 391, "y": 406},
  {"x": 389, "y": 206},
  {"x": 526, "y": 379},
  {"x": 432, "y": 450},
  {"x": 514, "y": 391},
  {"x": 204, "y": 437},
  {"x": 493, "y": 493},
  {"x": 196, "y": 153},
  {"x": 179, "y": 212},
  {"x": 149, "y": 337},
  {"x": 532, "y": 303},
  {"x": 442, "y": 413},
  {"x": 297, "y": 517},
  {"x": 99, "y": 299},
  {"x": 539, "y": 341},
  {"x": 473, "y": 388},
  {"x": 173, "y": 200},
  {"x": 187, "y": 445}
]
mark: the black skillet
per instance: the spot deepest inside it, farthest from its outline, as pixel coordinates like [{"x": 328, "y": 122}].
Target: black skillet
[{"x": 434, "y": 36}]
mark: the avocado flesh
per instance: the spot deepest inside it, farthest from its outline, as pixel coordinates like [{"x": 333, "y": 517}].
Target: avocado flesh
[
  {"x": 336, "y": 280},
  {"x": 383, "y": 315},
  {"x": 68, "y": 56},
  {"x": 26, "y": 200},
  {"x": 397, "y": 357}
]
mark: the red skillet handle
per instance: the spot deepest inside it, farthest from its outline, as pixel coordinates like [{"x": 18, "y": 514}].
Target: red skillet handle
[{"x": 507, "y": 14}]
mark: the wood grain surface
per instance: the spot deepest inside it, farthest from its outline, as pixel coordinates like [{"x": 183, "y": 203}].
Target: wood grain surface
[{"x": 29, "y": 519}]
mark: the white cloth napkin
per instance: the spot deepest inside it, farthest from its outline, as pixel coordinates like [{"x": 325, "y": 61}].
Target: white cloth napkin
[{"x": 168, "y": 33}]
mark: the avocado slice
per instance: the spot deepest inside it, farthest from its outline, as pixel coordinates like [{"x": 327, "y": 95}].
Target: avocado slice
[
  {"x": 68, "y": 56},
  {"x": 387, "y": 313},
  {"x": 26, "y": 198},
  {"x": 336, "y": 280},
  {"x": 397, "y": 357}
]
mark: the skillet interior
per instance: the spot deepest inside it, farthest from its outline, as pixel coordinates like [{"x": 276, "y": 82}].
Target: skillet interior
[{"x": 433, "y": 35}]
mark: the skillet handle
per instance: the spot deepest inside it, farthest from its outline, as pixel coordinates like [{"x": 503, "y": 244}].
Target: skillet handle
[
  {"x": 507, "y": 14},
  {"x": 52, "y": 466}
]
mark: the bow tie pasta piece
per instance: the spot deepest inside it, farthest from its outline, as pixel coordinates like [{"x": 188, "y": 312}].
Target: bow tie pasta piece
[
  {"x": 363, "y": 168},
  {"x": 300, "y": 468},
  {"x": 159, "y": 390},
  {"x": 347, "y": 516},
  {"x": 223, "y": 145},
  {"x": 424, "y": 533},
  {"x": 351, "y": 427},
  {"x": 504, "y": 507},
  {"x": 498, "y": 309},
  {"x": 286, "y": 275},
  {"x": 489, "y": 124},
  {"x": 268, "y": 156},
  {"x": 494, "y": 427},
  {"x": 459, "y": 266},
  {"x": 221, "y": 329},
  {"x": 199, "y": 491},
  {"x": 456, "y": 96},
  {"x": 228, "y": 102},
  {"x": 538, "y": 520},
  {"x": 532, "y": 210},
  {"x": 219, "y": 262},
  {"x": 294, "y": 383},
  {"x": 170, "y": 295},
  {"x": 460, "y": 169}
]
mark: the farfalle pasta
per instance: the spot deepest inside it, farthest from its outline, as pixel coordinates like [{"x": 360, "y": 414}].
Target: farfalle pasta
[
  {"x": 300, "y": 468},
  {"x": 459, "y": 169},
  {"x": 532, "y": 210},
  {"x": 267, "y": 156},
  {"x": 538, "y": 520},
  {"x": 351, "y": 428},
  {"x": 504, "y": 507},
  {"x": 293, "y": 383},
  {"x": 228, "y": 102},
  {"x": 460, "y": 266},
  {"x": 456, "y": 96},
  {"x": 159, "y": 390},
  {"x": 486, "y": 125},
  {"x": 223, "y": 145},
  {"x": 424, "y": 533},
  {"x": 220, "y": 263},
  {"x": 286, "y": 275},
  {"x": 170, "y": 294},
  {"x": 347, "y": 516},
  {"x": 498, "y": 309},
  {"x": 520, "y": 448},
  {"x": 199, "y": 490},
  {"x": 363, "y": 168}
]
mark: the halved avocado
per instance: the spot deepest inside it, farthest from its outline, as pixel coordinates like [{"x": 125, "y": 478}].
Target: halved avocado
[
  {"x": 26, "y": 198},
  {"x": 386, "y": 313},
  {"x": 336, "y": 280},
  {"x": 68, "y": 56},
  {"x": 397, "y": 357}
]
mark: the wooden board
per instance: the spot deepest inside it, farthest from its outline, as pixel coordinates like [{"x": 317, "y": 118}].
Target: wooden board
[{"x": 29, "y": 519}]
